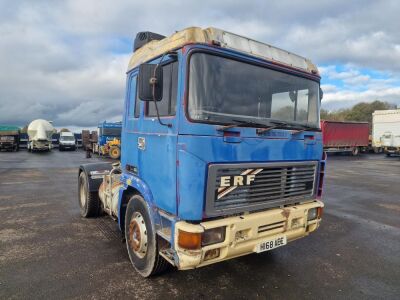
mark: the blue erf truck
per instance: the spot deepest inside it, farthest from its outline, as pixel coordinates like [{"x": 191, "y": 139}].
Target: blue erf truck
[{"x": 222, "y": 151}]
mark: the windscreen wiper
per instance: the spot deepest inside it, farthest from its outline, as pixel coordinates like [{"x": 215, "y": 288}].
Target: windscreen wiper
[
  {"x": 244, "y": 123},
  {"x": 294, "y": 126}
]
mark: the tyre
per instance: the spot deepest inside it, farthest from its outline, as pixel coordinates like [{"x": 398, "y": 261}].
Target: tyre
[
  {"x": 89, "y": 202},
  {"x": 115, "y": 152},
  {"x": 59, "y": 148},
  {"x": 355, "y": 151},
  {"x": 141, "y": 239}
]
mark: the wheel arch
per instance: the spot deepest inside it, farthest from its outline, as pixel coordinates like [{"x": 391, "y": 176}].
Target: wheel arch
[
  {"x": 94, "y": 182},
  {"x": 135, "y": 186}
]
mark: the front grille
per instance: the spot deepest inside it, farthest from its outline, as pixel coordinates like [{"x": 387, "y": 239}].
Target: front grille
[{"x": 235, "y": 188}]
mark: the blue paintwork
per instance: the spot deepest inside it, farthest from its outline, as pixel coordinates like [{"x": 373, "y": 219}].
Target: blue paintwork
[
  {"x": 103, "y": 139},
  {"x": 171, "y": 171}
]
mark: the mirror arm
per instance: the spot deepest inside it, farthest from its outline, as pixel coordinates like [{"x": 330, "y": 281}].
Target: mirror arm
[{"x": 153, "y": 82}]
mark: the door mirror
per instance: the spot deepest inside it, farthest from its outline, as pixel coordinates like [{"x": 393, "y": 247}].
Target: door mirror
[
  {"x": 321, "y": 94},
  {"x": 150, "y": 82},
  {"x": 293, "y": 96}
]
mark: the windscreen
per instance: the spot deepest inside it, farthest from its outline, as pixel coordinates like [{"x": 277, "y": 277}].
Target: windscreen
[
  {"x": 110, "y": 131},
  {"x": 7, "y": 138},
  {"x": 222, "y": 89},
  {"x": 67, "y": 138}
]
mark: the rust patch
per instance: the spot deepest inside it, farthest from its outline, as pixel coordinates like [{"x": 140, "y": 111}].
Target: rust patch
[
  {"x": 285, "y": 212},
  {"x": 134, "y": 230}
]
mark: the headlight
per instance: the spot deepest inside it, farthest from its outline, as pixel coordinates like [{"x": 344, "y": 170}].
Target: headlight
[
  {"x": 315, "y": 213},
  {"x": 312, "y": 214},
  {"x": 213, "y": 236}
]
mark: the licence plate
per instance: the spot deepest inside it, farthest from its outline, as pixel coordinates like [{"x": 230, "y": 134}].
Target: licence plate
[{"x": 271, "y": 244}]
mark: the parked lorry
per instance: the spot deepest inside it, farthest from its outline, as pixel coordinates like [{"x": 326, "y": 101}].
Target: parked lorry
[
  {"x": 9, "y": 138},
  {"x": 345, "y": 136},
  {"x": 222, "y": 151},
  {"x": 108, "y": 141},
  {"x": 40, "y": 134},
  {"x": 66, "y": 141},
  {"x": 386, "y": 131},
  {"x": 88, "y": 138}
]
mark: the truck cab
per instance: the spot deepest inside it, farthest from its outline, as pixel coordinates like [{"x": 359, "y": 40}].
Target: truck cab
[
  {"x": 222, "y": 151},
  {"x": 9, "y": 138},
  {"x": 109, "y": 138}
]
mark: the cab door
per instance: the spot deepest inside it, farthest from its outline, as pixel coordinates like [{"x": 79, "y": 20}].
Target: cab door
[
  {"x": 129, "y": 151},
  {"x": 156, "y": 143}
]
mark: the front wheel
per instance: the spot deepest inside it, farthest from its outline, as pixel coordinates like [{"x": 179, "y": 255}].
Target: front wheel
[
  {"x": 141, "y": 239},
  {"x": 89, "y": 202}
]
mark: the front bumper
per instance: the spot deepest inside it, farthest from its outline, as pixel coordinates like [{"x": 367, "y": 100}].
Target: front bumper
[
  {"x": 69, "y": 146},
  {"x": 7, "y": 145},
  {"x": 245, "y": 232},
  {"x": 392, "y": 150}
]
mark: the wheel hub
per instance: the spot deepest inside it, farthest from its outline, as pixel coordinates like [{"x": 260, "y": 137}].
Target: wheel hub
[
  {"x": 82, "y": 195},
  {"x": 138, "y": 235}
]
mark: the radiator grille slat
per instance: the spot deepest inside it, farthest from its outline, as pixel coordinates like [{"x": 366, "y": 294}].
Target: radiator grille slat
[{"x": 272, "y": 184}]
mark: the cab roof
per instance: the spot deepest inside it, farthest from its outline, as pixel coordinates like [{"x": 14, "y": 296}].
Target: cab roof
[{"x": 225, "y": 39}]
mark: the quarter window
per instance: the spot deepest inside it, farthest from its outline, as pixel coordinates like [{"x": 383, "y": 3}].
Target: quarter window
[{"x": 133, "y": 104}]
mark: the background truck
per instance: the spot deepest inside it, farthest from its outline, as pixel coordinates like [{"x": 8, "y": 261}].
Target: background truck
[
  {"x": 386, "y": 131},
  {"x": 9, "y": 138},
  {"x": 222, "y": 151},
  {"x": 88, "y": 138},
  {"x": 109, "y": 139},
  {"x": 345, "y": 136},
  {"x": 40, "y": 134},
  {"x": 66, "y": 141}
]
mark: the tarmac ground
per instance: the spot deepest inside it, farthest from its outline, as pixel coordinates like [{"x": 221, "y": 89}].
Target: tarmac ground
[{"x": 47, "y": 251}]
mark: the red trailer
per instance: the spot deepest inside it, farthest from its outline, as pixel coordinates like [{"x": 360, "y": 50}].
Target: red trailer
[{"x": 345, "y": 136}]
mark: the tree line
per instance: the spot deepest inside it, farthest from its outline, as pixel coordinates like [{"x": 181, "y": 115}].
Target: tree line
[{"x": 361, "y": 112}]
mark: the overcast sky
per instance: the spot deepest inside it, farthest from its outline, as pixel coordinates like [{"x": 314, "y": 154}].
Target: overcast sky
[{"x": 66, "y": 60}]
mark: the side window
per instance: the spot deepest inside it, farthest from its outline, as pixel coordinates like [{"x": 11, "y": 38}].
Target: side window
[
  {"x": 137, "y": 103},
  {"x": 167, "y": 105},
  {"x": 133, "y": 101}
]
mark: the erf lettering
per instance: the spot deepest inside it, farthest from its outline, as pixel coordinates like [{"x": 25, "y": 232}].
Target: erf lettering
[{"x": 238, "y": 180}]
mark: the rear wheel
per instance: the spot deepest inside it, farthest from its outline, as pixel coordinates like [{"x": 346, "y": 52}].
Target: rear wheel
[
  {"x": 141, "y": 239},
  {"x": 115, "y": 152},
  {"x": 89, "y": 202},
  {"x": 355, "y": 151}
]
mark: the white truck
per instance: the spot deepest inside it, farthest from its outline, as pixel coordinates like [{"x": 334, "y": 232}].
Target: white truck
[
  {"x": 386, "y": 131},
  {"x": 67, "y": 141},
  {"x": 39, "y": 135}
]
